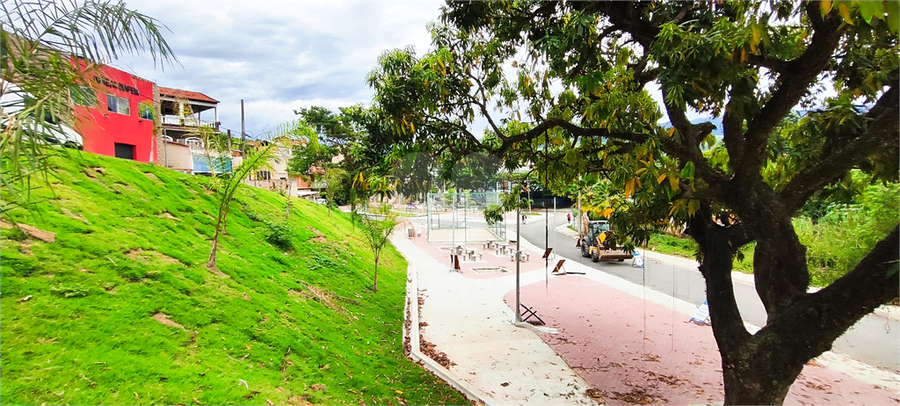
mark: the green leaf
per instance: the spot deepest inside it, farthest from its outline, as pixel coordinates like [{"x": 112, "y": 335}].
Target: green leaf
[
  {"x": 688, "y": 171},
  {"x": 871, "y": 9},
  {"x": 893, "y": 16}
]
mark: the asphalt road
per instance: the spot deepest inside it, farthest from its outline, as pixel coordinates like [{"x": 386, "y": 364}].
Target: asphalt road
[{"x": 874, "y": 340}]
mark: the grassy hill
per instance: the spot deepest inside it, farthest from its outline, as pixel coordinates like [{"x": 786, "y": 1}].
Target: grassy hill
[{"x": 120, "y": 309}]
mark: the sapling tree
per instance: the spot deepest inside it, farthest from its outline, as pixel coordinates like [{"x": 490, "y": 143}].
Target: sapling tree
[
  {"x": 377, "y": 228},
  {"x": 254, "y": 161}
]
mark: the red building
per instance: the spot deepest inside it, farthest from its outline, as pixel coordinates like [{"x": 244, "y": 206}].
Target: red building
[{"x": 121, "y": 123}]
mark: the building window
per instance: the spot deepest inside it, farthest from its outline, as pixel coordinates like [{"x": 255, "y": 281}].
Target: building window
[
  {"x": 117, "y": 104},
  {"x": 263, "y": 175},
  {"x": 124, "y": 151},
  {"x": 145, "y": 110}
]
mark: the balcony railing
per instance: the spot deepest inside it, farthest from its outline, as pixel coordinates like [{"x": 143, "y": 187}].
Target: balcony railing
[{"x": 188, "y": 122}]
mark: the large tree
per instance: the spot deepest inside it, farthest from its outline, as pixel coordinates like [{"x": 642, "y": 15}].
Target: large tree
[{"x": 564, "y": 85}]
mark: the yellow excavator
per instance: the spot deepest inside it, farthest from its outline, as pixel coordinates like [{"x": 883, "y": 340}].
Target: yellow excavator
[{"x": 598, "y": 241}]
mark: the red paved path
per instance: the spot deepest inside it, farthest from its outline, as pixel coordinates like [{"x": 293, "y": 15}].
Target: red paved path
[{"x": 601, "y": 336}]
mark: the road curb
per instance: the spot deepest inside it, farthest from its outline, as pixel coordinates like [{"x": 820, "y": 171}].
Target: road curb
[{"x": 412, "y": 299}]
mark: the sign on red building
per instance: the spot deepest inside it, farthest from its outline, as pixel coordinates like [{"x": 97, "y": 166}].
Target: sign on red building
[{"x": 121, "y": 122}]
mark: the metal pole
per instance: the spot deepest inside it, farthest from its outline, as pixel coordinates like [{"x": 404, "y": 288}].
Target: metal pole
[
  {"x": 243, "y": 131},
  {"x": 518, "y": 255}
]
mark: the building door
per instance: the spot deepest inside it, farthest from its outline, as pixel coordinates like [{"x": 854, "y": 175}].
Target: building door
[{"x": 124, "y": 151}]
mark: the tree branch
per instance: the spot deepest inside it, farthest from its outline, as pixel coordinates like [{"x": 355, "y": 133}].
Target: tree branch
[
  {"x": 826, "y": 314},
  {"x": 799, "y": 74},
  {"x": 881, "y": 132}
]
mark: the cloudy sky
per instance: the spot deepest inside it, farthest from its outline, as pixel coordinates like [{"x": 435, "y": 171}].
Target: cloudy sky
[{"x": 279, "y": 55}]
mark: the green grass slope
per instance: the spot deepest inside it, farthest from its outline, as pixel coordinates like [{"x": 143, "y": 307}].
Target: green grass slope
[{"x": 120, "y": 308}]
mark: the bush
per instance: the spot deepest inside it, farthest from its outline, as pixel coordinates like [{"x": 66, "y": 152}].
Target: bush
[
  {"x": 842, "y": 237},
  {"x": 280, "y": 235}
]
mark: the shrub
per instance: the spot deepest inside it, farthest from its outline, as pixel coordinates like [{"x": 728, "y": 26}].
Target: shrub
[{"x": 280, "y": 235}]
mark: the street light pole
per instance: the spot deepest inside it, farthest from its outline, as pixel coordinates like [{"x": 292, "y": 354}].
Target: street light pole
[{"x": 518, "y": 256}]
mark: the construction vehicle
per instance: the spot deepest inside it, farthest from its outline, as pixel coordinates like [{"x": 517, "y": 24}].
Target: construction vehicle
[{"x": 598, "y": 241}]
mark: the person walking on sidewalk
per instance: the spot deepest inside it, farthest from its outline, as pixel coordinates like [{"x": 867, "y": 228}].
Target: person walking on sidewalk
[{"x": 569, "y": 217}]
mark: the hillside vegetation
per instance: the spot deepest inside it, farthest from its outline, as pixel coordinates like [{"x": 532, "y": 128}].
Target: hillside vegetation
[{"x": 120, "y": 309}]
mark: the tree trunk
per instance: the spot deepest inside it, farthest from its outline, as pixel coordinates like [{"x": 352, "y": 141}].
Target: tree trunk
[
  {"x": 287, "y": 209},
  {"x": 375, "y": 286},
  {"x": 755, "y": 372},
  {"x": 764, "y": 380},
  {"x": 759, "y": 369},
  {"x": 212, "y": 253}
]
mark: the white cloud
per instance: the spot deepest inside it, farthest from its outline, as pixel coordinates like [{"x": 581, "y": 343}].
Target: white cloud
[{"x": 280, "y": 55}]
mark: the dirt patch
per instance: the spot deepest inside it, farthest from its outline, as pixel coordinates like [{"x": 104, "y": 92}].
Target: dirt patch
[
  {"x": 93, "y": 172},
  {"x": 325, "y": 297},
  {"x": 164, "y": 319},
  {"x": 69, "y": 213},
  {"x": 25, "y": 248},
  {"x": 150, "y": 175},
  {"x": 219, "y": 273},
  {"x": 150, "y": 256},
  {"x": 32, "y": 232},
  {"x": 167, "y": 215},
  {"x": 298, "y": 295},
  {"x": 320, "y": 238}
]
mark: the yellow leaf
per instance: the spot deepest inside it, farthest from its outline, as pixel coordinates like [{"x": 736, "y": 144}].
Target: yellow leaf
[
  {"x": 673, "y": 183},
  {"x": 661, "y": 178},
  {"x": 629, "y": 188},
  {"x": 693, "y": 206},
  {"x": 607, "y": 213},
  {"x": 845, "y": 13},
  {"x": 675, "y": 207},
  {"x": 755, "y": 36},
  {"x": 671, "y": 131},
  {"x": 825, "y": 6}
]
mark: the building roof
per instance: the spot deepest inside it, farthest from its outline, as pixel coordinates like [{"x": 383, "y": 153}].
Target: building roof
[{"x": 185, "y": 94}]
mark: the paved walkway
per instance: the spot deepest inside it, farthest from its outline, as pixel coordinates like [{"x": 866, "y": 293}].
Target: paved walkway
[
  {"x": 468, "y": 319},
  {"x": 628, "y": 342}
]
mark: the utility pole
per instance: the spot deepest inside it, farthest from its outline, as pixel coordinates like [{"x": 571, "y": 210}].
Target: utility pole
[{"x": 243, "y": 130}]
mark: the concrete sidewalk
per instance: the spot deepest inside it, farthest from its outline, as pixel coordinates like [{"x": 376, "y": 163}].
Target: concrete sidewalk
[{"x": 467, "y": 319}]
